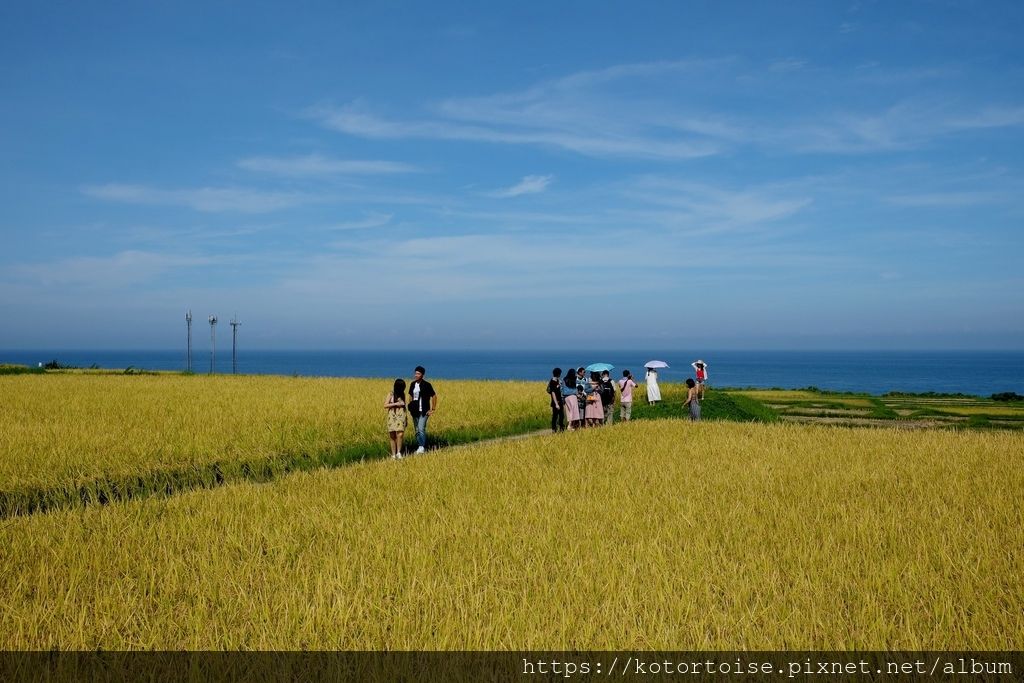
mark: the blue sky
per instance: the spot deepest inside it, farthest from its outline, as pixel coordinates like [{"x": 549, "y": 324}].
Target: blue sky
[{"x": 518, "y": 175}]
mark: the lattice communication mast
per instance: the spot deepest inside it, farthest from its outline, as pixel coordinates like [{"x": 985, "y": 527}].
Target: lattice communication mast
[
  {"x": 234, "y": 344},
  {"x": 213, "y": 342}
]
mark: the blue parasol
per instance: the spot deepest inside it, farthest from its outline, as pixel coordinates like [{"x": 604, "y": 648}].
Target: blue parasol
[{"x": 600, "y": 367}]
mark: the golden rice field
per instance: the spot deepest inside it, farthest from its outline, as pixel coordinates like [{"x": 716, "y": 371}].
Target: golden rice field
[
  {"x": 780, "y": 394},
  {"x": 1008, "y": 411},
  {"x": 65, "y": 436},
  {"x": 908, "y": 410},
  {"x": 653, "y": 535}
]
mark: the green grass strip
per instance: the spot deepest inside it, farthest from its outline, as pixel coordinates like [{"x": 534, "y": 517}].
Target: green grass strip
[{"x": 167, "y": 482}]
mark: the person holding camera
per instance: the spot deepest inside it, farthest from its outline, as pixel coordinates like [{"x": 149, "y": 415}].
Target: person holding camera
[{"x": 626, "y": 386}]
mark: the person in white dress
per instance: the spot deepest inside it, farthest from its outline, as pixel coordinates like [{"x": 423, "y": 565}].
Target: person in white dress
[{"x": 653, "y": 390}]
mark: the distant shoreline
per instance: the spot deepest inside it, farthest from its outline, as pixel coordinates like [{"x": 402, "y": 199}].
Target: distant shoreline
[
  {"x": 876, "y": 373},
  {"x": 20, "y": 369}
]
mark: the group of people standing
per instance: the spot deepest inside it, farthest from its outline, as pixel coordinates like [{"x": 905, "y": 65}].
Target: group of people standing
[{"x": 580, "y": 400}]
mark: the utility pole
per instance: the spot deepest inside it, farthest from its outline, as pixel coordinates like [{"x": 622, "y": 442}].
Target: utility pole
[
  {"x": 213, "y": 342},
  {"x": 188, "y": 355},
  {"x": 234, "y": 344}
]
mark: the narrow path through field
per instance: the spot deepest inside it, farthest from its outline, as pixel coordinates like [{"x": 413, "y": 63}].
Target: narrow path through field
[
  {"x": 162, "y": 484},
  {"x": 507, "y": 437}
]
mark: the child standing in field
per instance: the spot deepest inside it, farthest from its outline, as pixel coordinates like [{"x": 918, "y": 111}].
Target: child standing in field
[
  {"x": 692, "y": 399},
  {"x": 394, "y": 404}
]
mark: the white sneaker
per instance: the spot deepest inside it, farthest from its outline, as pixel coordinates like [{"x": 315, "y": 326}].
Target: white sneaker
[{"x": 421, "y": 449}]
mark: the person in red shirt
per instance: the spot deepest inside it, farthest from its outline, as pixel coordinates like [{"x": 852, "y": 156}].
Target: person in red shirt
[{"x": 701, "y": 368}]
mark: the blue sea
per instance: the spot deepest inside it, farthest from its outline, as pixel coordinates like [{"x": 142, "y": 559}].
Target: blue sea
[{"x": 876, "y": 372}]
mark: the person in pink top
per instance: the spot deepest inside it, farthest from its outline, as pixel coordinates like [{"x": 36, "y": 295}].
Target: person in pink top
[
  {"x": 594, "y": 412},
  {"x": 626, "y": 386},
  {"x": 572, "y": 403}
]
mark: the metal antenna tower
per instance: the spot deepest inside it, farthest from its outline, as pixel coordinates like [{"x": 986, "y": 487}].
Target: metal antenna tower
[
  {"x": 234, "y": 344},
  {"x": 188, "y": 356},
  {"x": 213, "y": 342}
]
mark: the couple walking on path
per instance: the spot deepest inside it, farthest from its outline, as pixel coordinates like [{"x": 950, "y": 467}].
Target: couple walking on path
[{"x": 421, "y": 405}]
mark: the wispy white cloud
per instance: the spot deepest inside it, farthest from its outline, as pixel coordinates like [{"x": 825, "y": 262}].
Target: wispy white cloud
[
  {"x": 209, "y": 199},
  {"x": 316, "y": 164},
  {"x": 459, "y": 31},
  {"x": 585, "y": 112},
  {"x": 638, "y": 111},
  {"x": 988, "y": 117},
  {"x": 531, "y": 184},
  {"x": 909, "y": 124},
  {"x": 525, "y": 219},
  {"x": 790, "y": 64},
  {"x": 453, "y": 268},
  {"x": 949, "y": 199},
  {"x": 355, "y": 120},
  {"x": 703, "y": 208},
  {"x": 877, "y": 74},
  {"x": 372, "y": 220},
  {"x": 122, "y": 269}
]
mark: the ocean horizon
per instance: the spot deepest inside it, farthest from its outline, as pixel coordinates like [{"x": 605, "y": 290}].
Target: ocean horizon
[{"x": 876, "y": 372}]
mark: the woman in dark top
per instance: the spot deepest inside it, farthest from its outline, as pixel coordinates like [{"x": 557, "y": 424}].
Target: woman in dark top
[{"x": 692, "y": 399}]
